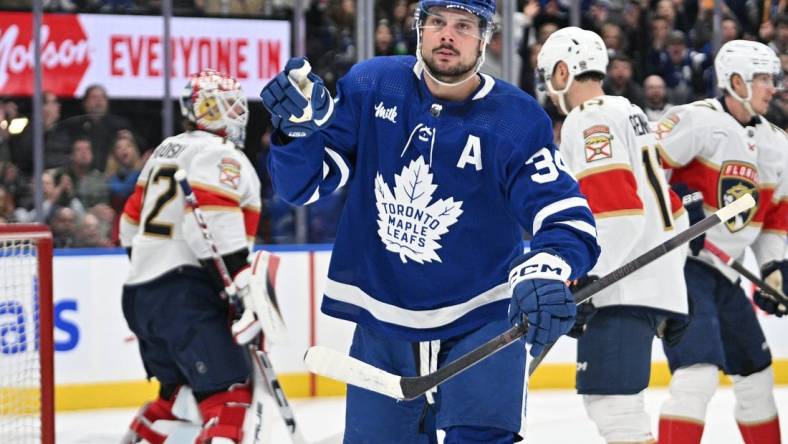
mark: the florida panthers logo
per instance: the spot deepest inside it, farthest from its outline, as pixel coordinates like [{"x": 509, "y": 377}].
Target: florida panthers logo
[
  {"x": 736, "y": 180},
  {"x": 408, "y": 223}
]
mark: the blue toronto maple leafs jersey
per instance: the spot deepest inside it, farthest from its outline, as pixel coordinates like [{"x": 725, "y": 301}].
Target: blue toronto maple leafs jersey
[{"x": 436, "y": 200}]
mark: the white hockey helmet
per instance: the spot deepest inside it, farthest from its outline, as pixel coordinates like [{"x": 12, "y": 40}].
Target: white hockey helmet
[
  {"x": 215, "y": 102},
  {"x": 582, "y": 51},
  {"x": 746, "y": 58}
]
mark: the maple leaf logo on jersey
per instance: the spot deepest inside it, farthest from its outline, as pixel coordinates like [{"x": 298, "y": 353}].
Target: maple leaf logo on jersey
[{"x": 408, "y": 224}]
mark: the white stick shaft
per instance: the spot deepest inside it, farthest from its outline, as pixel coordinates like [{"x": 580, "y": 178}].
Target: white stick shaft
[{"x": 335, "y": 365}]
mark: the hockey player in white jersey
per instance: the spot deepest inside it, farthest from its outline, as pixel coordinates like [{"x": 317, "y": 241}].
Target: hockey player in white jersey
[
  {"x": 607, "y": 144},
  {"x": 721, "y": 149},
  {"x": 171, "y": 302},
  {"x": 444, "y": 168}
]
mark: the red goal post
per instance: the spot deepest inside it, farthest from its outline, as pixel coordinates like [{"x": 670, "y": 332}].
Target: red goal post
[{"x": 27, "y": 407}]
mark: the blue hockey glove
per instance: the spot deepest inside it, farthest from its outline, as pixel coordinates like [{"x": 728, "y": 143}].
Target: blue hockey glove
[
  {"x": 774, "y": 274},
  {"x": 693, "y": 203},
  {"x": 586, "y": 310},
  {"x": 298, "y": 100},
  {"x": 540, "y": 295}
]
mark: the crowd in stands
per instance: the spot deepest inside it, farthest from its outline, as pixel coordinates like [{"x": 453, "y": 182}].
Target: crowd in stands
[{"x": 661, "y": 54}]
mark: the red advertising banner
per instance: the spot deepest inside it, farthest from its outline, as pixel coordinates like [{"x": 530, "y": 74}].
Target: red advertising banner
[{"x": 126, "y": 53}]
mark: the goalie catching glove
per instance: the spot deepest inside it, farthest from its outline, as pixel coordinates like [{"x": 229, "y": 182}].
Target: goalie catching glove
[
  {"x": 298, "y": 100},
  {"x": 540, "y": 296}
]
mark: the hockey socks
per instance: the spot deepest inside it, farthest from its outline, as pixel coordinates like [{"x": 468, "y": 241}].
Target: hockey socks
[
  {"x": 223, "y": 415},
  {"x": 679, "y": 431},
  {"x": 767, "y": 432}
]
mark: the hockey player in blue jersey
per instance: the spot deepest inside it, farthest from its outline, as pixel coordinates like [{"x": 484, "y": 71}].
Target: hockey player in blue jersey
[{"x": 444, "y": 168}]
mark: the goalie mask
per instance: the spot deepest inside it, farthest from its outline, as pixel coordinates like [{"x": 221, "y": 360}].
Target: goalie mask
[
  {"x": 582, "y": 51},
  {"x": 747, "y": 59},
  {"x": 215, "y": 102},
  {"x": 429, "y": 16}
]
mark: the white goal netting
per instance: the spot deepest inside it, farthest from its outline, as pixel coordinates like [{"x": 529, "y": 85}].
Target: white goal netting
[{"x": 20, "y": 364}]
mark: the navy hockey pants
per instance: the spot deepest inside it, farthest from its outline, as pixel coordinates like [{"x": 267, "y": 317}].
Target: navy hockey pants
[{"x": 183, "y": 331}]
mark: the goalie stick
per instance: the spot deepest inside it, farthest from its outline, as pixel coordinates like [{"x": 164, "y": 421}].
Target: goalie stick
[
  {"x": 775, "y": 294},
  {"x": 333, "y": 364},
  {"x": 259, "y": 357}
]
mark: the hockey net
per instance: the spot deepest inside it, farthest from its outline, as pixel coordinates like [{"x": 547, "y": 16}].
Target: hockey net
[{"x": 26, "y": 342}]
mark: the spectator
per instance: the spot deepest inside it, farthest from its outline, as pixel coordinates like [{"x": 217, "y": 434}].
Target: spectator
[
  {"x": 97, "y": 124},
  {"x": 90, "y": 233},
  {"x": 58, "y": 191},
  {"x": 16, "y": 185},
  {"x": 682, "y": 69},
  {"x": 619, "y": 80},
  {"x": 64, "y": 227},
  {"x": 384, "y": 39},
  {"x": 612, "y": 35},
  {"x": 90, "y": 185},
  {"x": 57, "y": 148},
  {"x": 780, "y": 42},
  {"x": 493, "y": 60},
  {"x": 658, "y": 39},
  {"x": 7, "y": 206},
  {"x": 404, "y": 39},
  {"x": 126, "y": 169},
  {"x": 656, "y": 98}
]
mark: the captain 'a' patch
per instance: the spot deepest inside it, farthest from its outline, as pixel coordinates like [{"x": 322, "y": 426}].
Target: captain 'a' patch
[
  {"x": 598, "y": 143},
  {"x": 230, "y": 172},
  {"x": 736, "y": 180}
]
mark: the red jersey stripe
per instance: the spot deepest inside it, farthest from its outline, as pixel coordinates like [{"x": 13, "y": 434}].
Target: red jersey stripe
[
  {"x": 701, "y": 177},
  {"x": 133, "y": 204},
  {"x": 611, "y": 190},
  {"x": 777, "y": 217},
  {"x": 251, "y": 220}
]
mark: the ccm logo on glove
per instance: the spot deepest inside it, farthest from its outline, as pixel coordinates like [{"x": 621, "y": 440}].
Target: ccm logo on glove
[{"x": 540, "y": 266}]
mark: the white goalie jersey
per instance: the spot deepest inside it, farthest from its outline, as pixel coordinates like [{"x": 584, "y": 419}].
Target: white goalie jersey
[
  {"x": 711, "y": 152},
  {"x": 155, "y": 222},
  {"x": 606, "y": 142}
]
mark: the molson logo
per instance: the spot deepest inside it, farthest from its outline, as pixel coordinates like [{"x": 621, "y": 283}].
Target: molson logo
[{"x": 64, "y": 53}]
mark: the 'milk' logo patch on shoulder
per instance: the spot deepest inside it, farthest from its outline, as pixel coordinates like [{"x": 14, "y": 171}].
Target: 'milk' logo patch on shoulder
[{"x": 598, "y": 144}]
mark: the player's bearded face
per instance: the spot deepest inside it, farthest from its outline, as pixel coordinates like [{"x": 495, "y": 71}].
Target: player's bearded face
[{"x": 451, "y": 44}]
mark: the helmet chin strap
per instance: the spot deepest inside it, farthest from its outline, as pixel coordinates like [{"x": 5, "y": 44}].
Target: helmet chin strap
[
  {"x": 429, "y": 73},
  {"x": 744, "y": 101},
  {"x": 561, "y": 94}
]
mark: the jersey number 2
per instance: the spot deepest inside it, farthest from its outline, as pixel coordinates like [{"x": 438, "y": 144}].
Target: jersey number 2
[{"x": 151, "y": 226}]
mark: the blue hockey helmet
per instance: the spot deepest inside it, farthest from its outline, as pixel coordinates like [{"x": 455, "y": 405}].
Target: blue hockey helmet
[{"x": 484, "y": 9}]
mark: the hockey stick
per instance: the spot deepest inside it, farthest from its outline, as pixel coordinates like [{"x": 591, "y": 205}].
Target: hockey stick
[
  {"x": 333, "y": 364},
  {"x": 775, "y": 294},
  {"x": 690, "y": 233},
  {"x": 259, "y": 357}
]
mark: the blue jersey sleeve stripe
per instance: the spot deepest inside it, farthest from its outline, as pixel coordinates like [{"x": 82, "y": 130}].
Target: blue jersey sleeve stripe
[
  {"x": 580, "y": 225},
  {"x": 344, "y": 169},
  {"x": 315, "y": 196},
  {"x": 556, "y": 207},
  {"x": 419, "y": 319}
]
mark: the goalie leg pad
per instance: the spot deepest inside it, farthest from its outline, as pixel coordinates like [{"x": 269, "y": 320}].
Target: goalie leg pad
[
  {"x": 620, "y": 418},
  {"x": 142, "y": 425},
  {"x": 223, "y": 414}
]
